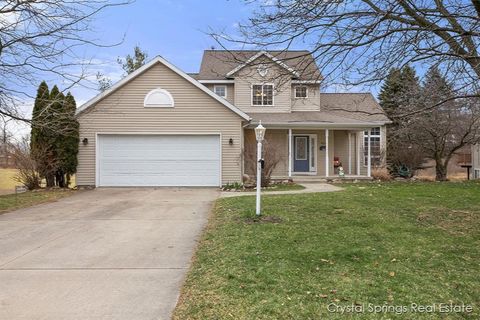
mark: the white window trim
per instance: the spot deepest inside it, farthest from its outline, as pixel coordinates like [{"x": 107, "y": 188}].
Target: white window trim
[
  {"x": 365, "y": 164},
  {"x": 262, "y": 84},
  {"x": 216, "y": 81},
  {"x": 163, "y": 91},
  {"x": 221, "y": 85},
  {"x": 295, "y": 92},
  {"x": 313, "y": 151}
]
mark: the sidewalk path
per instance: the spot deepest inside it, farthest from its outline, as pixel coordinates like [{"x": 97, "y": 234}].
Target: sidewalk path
[{"x": 309, "y": 188}]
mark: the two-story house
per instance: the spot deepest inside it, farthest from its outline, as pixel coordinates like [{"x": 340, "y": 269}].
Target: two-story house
[{"x": 160, "y": 126}]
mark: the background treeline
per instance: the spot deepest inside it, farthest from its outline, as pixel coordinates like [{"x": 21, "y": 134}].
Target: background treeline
[{"x": 429, "y": 121}]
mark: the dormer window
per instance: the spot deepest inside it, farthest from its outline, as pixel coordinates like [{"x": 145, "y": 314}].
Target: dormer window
[
  {"x": 262, "y": 95},
  {"x": 301, "y": 92},
  {"x": 158, "y": 98},
  {"x": 221, "y": 91}
]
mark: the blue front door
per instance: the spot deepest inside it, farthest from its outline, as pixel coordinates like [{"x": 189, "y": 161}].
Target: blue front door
[{"x": 301, "y": 153}]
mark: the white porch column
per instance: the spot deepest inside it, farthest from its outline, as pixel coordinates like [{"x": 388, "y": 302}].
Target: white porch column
[
  {"x": 359, "y": 142},
  {"x": 369, "y": 160},
  {"x": 327, "y": 160},
  {"x": 289, "y": 153},
  {"x": 349, "y": 152}
]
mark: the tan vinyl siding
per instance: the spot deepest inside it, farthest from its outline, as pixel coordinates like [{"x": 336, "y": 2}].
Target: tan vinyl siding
[
  {"x": 322, "y": 154},
  {"x": 341, "y": 150},
  {"x": 194, "y": 113},
  {"x": 246, "y": 77},
  {"x": 230, "y": 91},
  {"x": 311, "y": 103},
  {"x": 279, "y": 138}
]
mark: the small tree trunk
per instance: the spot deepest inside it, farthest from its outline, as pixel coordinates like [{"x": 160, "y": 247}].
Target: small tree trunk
[
  {"x": 50, "y": 180},
  {"x": 60, "y": 178},
  {"x": 441, "y": 170}
]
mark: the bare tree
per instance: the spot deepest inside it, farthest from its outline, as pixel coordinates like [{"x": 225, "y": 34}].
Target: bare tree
[
  {"x": 5, "y": 140},
  {"x": 442, "y": 132},
  {"x": 271, "y": 156},
  {"x": 355, "y": 42},
  {"x": 104, "y": 82},
  {"x": 27, "y": 167},
  {"x": 40, "y": 39}
]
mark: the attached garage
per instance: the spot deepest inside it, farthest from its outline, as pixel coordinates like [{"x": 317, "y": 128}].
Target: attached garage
[
  {"x": 159, "y": 127},
  {"x": 158, "y": 160}
]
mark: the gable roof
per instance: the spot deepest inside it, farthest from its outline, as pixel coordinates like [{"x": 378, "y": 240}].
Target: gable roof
[
  {"x": 217, "y": 64},
  {"x": 139, "y": 71},
  {"x": 258, "y": 55}
]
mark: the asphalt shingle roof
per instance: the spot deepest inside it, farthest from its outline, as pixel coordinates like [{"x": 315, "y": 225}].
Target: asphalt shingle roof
[
  {"x": 344, "y": 108},
  {"x": 217, "y": 63}
]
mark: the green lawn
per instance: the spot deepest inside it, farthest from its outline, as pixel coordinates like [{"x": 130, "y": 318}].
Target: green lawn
[
  {"x": 11, "y": 202},
  {"x": 272, "y": 187},
  {"x": 387, "y": 244},
  {"x": 285, "y": 187}
]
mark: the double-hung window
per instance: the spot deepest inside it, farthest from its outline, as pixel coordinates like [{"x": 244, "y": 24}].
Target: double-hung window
[
  {"x": 221, "y": 91},
  {"x": 301, "y": 92},
  {"x": 375, "y": 146},
  {"x": 262, "y": 95}
]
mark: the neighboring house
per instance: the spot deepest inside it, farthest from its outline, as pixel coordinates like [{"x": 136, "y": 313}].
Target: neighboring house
[
  {"x": 160, "y": 126},
  {"x": 475, "y": 173}
]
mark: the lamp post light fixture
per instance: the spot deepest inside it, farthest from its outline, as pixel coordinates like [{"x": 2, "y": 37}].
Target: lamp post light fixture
[{"x": 259, "y": 134}]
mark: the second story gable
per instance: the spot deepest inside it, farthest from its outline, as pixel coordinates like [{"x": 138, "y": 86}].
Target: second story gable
[{"x": 261, "y": 81}]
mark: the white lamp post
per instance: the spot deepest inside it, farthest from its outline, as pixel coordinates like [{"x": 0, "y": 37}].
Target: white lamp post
[{"x": 260, "y": 134}]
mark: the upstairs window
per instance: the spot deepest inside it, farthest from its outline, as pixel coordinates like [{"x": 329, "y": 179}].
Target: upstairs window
[
  {"x": 158, "y": 98},
  {"x": 374, "y": 145},
  {"x": 301, "y": 92},
  {"x": 262, "y": 95},
  {"x": 221, "y": 91}
]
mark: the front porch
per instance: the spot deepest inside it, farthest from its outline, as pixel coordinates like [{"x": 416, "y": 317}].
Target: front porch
[{"x": 314, "y": 154}]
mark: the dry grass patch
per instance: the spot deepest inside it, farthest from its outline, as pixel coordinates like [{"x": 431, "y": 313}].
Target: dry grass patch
[
  {"x": 12, "y": 202},
  {"x": 7, "y": 179}
]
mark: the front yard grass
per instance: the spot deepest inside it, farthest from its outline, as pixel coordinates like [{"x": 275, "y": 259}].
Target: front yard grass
[
  {"x": 27, "y": 199},
  {"x": 389, "y": 244},
  {"x": 284, "y": 187}
]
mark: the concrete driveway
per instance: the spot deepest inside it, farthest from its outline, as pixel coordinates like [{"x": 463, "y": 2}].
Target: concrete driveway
[{"x": 117, "y": 253}]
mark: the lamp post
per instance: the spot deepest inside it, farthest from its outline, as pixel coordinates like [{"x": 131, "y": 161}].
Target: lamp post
[{"x": 259, "y": 134}]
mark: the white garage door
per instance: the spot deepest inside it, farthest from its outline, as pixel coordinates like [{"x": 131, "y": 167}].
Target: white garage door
[{"x": 158, "y": 160}]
